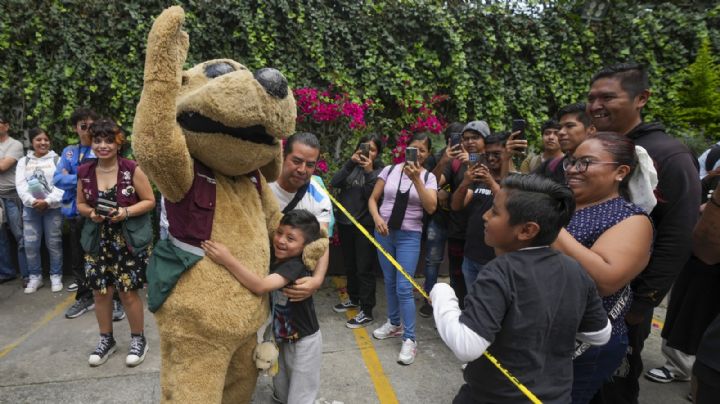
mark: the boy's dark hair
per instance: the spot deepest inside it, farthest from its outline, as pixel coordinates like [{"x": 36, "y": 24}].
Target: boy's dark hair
[
  {"x": 306, "y": 138},
  {"x": 453, "y": 128},
  {"x": 577, "y": 109},
  {"x": 81, "y": 114},
  {"x": 549, "y": 124},
  {"x": 633, "y": 77},
  {"x": 35, "y": 132},
  {"x": 305, "y": 221},
  {"x": 495, "y": 138},
  {"x": 377, "y": 140},
  {"x": 533, "y": 198}
]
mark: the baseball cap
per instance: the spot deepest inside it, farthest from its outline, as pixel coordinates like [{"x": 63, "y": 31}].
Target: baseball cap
[{"x": 480, "y": 127}]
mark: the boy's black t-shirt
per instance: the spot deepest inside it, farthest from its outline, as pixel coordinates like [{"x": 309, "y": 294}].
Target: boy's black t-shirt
[
  {"x": 475, "y": 247},
  {"x": 529, "y": 304},
  {"x": 292, "y": 320}
]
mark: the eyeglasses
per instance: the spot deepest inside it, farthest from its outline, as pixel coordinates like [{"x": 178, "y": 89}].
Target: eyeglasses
[
  {"x": 470, "y": 138},
  {"x": 496, "y": 155},
  {"x": 581, "y": 165},
  {"x": 84, "y": 125}
]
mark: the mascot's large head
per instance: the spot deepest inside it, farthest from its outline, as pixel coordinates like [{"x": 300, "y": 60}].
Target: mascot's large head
[{"x": 233, "y": 119}]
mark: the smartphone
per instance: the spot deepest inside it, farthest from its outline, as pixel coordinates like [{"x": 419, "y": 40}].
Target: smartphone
[
  {"x": 477, "y": 158},
  {"x": 519, "y": 125},
  {"x": 411, "y": 155},
  {"x": 455, "y": 139},
  {"x": 365, "y": 149}
]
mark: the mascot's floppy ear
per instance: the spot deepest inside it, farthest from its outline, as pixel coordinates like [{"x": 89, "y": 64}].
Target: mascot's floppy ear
[{"x": 271, "y": 170}]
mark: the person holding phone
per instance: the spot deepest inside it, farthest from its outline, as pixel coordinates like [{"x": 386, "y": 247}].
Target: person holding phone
[
  {"x": 114, "y": 193},
  {"x": 452, "y": 169},
  {"x": 355, "y": 181},
  {"x": 408, "y": 191}
]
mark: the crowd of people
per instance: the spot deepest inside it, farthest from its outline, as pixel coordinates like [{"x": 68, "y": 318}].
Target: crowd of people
[{"x": 556, "y": 260}]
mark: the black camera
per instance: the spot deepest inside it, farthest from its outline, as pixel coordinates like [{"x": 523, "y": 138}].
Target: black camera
[{"x": 105, "y": 207}]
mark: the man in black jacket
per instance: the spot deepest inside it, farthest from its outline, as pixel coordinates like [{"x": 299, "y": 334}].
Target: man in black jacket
[{"x": 615, "y": 101}]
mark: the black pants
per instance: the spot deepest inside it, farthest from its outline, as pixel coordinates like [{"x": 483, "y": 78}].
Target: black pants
[
  {"x": 708, "y": 384},
  {"x": 456, "y": 254},
  {"x": 77, "y": 257},
  {"x": 625, "y": 386},
  {"x": 359, "y": 258}
]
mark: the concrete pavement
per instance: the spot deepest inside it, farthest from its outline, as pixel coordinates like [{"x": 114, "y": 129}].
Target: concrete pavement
[{"x": 43, "y": 358}]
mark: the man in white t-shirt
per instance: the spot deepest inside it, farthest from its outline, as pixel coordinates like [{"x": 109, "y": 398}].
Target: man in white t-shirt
[{"x": 295, "y": 189}]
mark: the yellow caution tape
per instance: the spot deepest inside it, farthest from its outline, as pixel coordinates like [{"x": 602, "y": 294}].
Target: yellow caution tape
[{"x": 399, "y": 267}]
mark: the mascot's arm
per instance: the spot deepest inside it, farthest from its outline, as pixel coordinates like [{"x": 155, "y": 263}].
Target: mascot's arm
[
  {"x": 158, "y": 142},
  {"x": 270, "y": 207}
]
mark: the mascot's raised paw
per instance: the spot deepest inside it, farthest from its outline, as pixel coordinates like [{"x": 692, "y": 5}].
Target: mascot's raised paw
[
  {"x": 168, "y": 46},
  {"x": 315, "y": 250}
]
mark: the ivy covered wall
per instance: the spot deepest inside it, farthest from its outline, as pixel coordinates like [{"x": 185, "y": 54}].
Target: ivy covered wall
[{"x": 492, "y": 61}]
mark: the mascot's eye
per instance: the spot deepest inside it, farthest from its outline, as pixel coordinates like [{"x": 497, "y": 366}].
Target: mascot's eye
[
  {"x": 218, "y": 69},
  {"x": 185, "y": 80},
  {"x": 273, "y": 82}
]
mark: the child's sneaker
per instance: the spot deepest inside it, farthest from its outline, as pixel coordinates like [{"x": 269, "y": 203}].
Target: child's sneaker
[
  {"x": 388, "y": 330},
  {"x": 73, "y": 286},
  {"x": 56, "y": 283},
  {"x": 118, "y": 313},
  {"x": 138, "y": 349},
  {"x": 34, "y": 283},
  {"x": 105, "y": 348},
  {"x": 345, "y": 306},
  {"x": 359, "y": 321},
  {"x": 407, "y": 352}
]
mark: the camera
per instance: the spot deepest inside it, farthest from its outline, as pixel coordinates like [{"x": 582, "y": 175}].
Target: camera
[
  {"x": 411, "y": 155},
  {"x": 105, "y": 207}
]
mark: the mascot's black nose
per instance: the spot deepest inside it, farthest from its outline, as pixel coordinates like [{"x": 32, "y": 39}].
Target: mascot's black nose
[
  {"x": 218, "y": 69},
  {"x": 273, "y": 82}
]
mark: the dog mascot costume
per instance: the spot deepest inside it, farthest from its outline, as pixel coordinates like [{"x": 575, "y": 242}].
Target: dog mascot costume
[{"x": 210, "y": 139}]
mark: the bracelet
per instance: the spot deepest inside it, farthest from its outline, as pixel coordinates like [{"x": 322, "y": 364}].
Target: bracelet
[{"x": 127, "y": 214}]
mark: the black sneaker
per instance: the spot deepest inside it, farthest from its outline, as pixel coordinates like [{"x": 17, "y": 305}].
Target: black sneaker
[
  {"x": 138, "y": 349},
  {"x": 359, "y": 321},
  {"x": 80, "y": 307},
  {"x": 426, "y": 310},
  {"x": 345, "y": 306},
  {"x": 118, "y": 311},
  {"x": 105, "y": 348}
]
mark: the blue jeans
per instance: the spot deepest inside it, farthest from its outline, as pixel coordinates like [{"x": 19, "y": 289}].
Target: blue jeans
[
  {"x": 13, "y": 214},
  {"x": 405, "y": 247},
  {"x": 596, "y": 366},
  {"x": 434, "y": 253},
  {"x": 37, "y": 224},
  {"x": 470, "y": 270}
]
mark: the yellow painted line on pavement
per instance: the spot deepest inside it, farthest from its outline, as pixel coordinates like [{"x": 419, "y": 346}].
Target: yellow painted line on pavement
[
  {"x": 59, "y": 308},
  {"x": 657, "y": 324},
  {"x": 383, "y": 388}
]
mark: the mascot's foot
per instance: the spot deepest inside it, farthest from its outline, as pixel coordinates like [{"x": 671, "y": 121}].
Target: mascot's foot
[{"x": 104, "y": 349}]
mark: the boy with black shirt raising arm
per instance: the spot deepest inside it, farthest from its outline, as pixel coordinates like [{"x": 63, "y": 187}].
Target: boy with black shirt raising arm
[{"x": 527, "y": 306}]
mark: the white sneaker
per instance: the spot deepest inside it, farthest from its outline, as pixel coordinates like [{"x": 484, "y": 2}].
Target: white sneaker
[
  {"x": 34, "y": 283},
  {"x": 56, "y": 284},
  {"x": 407, "y": 352},
  {"x": 388, "y": 330}
]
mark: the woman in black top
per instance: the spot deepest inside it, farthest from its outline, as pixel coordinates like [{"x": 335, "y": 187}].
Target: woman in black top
[{"x": 355, "y": 181}]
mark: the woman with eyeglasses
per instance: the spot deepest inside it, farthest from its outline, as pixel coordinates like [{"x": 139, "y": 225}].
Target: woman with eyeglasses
[{"x": 611, "y": 238}]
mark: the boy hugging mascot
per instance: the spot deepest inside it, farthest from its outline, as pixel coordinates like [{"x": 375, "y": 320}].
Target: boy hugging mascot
[{"x": 210, "y": 139}]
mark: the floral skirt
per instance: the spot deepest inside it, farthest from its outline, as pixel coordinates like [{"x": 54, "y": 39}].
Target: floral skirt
[{"x": 115, "y": 265}]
